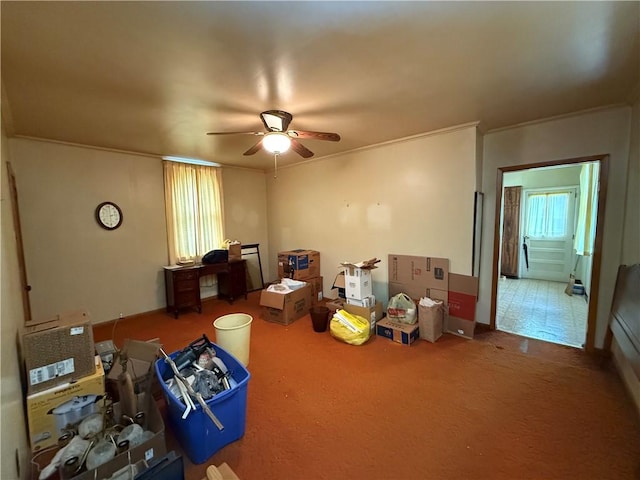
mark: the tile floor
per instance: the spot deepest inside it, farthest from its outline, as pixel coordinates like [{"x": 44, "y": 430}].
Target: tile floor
[{"x": 540, "y": 309}]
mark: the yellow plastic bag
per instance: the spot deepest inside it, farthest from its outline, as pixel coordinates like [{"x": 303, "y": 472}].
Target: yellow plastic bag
[{"x": 351, "y": 329}]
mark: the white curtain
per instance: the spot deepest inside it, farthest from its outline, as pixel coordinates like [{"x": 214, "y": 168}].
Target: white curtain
[
  {"x": 193, "y": 202},
  {"x": 547, "y": 215},
  {"x": 587, "y": 210}
]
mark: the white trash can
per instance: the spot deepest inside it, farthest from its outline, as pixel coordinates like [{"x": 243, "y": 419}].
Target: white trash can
[{"x": 233, "y": 333}]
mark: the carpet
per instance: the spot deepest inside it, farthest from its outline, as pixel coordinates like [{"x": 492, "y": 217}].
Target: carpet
[{"x": 455, "y": 409}]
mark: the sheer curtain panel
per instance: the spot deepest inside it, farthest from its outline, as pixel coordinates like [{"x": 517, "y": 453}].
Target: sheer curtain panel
[
  {"x": 587, "y": 210},
  {"x": 193, "y": 202}
]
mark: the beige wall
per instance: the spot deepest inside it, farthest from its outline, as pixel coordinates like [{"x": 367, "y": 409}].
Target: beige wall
[
  {"x": 602, "y": 132},
  {"x": 72, "y": 263},
  {"x": 411, "y": 197},
  {"x": 13, "y": 438},
  {"x": 245, "y": 217}
]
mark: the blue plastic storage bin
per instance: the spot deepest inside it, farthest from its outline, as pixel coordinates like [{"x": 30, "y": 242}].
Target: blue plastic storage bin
[{"x": 197, "y": 434}]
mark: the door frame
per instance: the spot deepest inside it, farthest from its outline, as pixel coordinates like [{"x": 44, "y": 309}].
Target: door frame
[
  {"x": 603, "y": 161},
  {"x": 22, "y": 266}
]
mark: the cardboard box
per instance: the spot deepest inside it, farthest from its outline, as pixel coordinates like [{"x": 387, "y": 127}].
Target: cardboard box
[
  {"x": 425, "y": 277},
  {"x": 417, "y": 292},
  {"x": 339, "y": 283},
  {"x": 316, "y": 290},
  {"x": 402, "y": 333},
  {"x": 299, "y": 264},
  {"x": 373, "y": 314},
  {"x": 369, "y": 301},
  {"x": 463, "y": 294},
  {"x": 58, "y": 351},
  {"x": 358, "y": 283},
  {"x": 235, "y": 251},
  {"x": 285, "y": 308},
  {"x": 357, "y": 279},
  {"x": 335, "y": 304},
  {"x": 424, "y": 272},
  {"x": 140, "y": 357},
  {"x": 50, "y": 411},
  {"x": 152, "y": 449},
  {"x": 431, "y": 321}
]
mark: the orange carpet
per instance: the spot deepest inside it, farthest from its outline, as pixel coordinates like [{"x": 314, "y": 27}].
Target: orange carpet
[{"x": 496, "y": 407}]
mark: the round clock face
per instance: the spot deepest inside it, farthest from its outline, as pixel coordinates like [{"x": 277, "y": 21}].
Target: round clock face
[{"x": 109, "y": 215}]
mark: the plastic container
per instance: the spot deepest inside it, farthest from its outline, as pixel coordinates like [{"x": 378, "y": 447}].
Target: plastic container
[
  {"x": 197, "y": 434},
  {"x": 319, "y": 318},
  {"x": 233, "y": 333}
]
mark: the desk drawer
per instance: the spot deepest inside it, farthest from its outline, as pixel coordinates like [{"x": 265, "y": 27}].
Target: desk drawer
[
  {"x": 187, "y": 285},
  {"x": 185, "y": 276},
  {"x": 187, "y": 299}
]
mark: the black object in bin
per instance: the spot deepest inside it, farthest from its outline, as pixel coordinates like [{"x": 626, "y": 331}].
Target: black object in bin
[{"x": 169, "y": 467}]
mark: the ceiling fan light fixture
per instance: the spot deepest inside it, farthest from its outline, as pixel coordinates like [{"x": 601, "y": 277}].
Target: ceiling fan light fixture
[{"x": 276, "y": 142}]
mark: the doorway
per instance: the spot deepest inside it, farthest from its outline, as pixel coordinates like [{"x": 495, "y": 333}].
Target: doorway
[
  {"x": 548, "y": 226},
  {"x": 538, "y": 306}
]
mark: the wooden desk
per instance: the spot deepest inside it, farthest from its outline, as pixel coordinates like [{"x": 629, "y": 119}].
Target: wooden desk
[{"x": 182, "y": 284}]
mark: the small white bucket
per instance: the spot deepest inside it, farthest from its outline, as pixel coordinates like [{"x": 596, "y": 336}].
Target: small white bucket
[{"x": 233, "y": 333}]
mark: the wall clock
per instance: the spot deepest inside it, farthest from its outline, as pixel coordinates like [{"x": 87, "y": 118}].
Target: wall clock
[{"x": 109, "y": 215}]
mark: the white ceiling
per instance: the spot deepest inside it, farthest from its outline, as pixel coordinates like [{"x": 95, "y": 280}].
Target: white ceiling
[{"x": 154, "y": 77}]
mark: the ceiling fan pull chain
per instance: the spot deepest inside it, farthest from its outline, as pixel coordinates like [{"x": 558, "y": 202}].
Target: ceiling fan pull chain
[{"x": 275, "y": 165}]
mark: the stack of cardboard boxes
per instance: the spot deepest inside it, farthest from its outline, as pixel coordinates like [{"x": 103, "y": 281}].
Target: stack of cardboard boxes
[
  {"x": 415, "y": 276},
  {"x": 65, "y": 383},
  {"x": 61, "y": 368},
  {"x": 285, "y": 308},
  {"x": 355, "y": 286},
  {"x": 430, "y": 277}
]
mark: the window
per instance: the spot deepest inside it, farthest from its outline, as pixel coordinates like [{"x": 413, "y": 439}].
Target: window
[
  {"x": 547, "y": 215},
  {"x": 194, "y": 210}
]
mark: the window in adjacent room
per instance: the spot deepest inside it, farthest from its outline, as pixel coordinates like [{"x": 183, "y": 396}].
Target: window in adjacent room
[
  {"x": 193, "y": 198},
  {"x": 547, "y": 215}
]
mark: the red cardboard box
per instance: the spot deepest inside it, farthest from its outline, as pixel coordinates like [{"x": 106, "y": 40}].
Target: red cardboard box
[{"x": 463, "y": 294}]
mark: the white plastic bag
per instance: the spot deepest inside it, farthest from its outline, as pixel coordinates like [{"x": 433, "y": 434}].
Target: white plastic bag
[{"x": 402, "y": 309}]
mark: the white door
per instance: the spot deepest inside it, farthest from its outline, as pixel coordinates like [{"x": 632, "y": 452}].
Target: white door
[{"x": 548, "y": 219}]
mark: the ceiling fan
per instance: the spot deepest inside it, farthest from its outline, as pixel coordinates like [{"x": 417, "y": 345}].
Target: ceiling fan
[{"x": 277, "y": 139}]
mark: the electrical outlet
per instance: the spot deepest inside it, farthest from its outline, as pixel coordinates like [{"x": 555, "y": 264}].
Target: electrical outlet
[{"x": 121, "y": 316}]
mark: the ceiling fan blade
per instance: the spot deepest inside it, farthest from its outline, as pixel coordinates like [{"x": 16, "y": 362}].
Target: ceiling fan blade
[
  {"x": 235, "y": 133},
  {"x": 254, "y": 149},
  {"x": 300, "y": 149},
  {"x": 276, "y": 120},
  {"x": 332, "y": 137}
]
